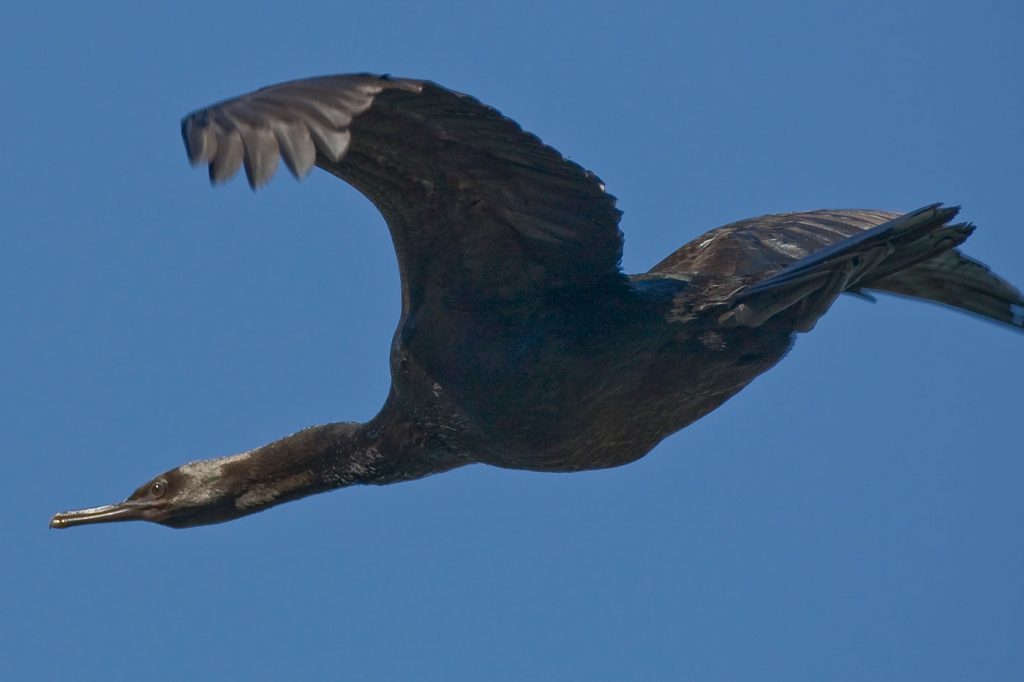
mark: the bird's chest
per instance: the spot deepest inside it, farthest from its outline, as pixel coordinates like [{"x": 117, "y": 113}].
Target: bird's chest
[
  {"x": 503, "y": 385},
  {"x": 566, "y": 394}
]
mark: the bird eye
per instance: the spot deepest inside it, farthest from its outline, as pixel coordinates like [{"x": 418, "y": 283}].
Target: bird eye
[{"x": 158, "y": 488}]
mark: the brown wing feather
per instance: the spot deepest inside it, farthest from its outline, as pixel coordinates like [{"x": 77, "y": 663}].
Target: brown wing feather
[
  {"x": 753, "y": 250},
  {"x": 757, "y": 248},
  {"x": 953, "y": 279},
  {"x": 478, "y": 209}
]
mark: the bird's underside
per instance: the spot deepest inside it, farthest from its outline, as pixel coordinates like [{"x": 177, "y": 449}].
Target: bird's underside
[{"x": 521, "y": 343}]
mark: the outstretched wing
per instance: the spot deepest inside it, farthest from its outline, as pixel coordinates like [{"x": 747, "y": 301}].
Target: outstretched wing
[
  {"x": 480, "y": 211},
  {"x": 750, "y": 252},
  {"x": 755, "y": 248}
]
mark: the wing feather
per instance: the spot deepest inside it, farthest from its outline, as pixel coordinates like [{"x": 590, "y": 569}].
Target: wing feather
[
  {"x": 752, "y": 251},
  {"x": 476, "y": 206}
]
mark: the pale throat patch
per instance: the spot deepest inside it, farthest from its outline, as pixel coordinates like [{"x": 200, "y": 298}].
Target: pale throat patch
[{"x": 205, "y": 474}]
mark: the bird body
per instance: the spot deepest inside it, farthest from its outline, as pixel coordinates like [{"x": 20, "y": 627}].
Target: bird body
[{"x": 521, "y": 343}]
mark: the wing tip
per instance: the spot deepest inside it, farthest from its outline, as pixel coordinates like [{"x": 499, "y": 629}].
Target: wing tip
[
  {"x": 1017, "y": 315},
  {"x": 254, "y": 131}
]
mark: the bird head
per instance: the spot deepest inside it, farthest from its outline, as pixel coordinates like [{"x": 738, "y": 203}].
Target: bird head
[
  {"x": 214, "y": 490},
  {"x": 193, "y": 494}
]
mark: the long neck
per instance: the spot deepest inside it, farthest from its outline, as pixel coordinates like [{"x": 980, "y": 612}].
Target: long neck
[{"x": 331, "y": 456}]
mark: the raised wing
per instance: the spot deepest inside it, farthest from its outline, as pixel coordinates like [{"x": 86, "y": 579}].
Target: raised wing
[
  {"x": 480, "y": 212},
  {"x": 750, "y": 252}
]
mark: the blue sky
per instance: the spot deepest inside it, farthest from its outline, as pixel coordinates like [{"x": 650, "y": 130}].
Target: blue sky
[{"x": 855, "y": 514}]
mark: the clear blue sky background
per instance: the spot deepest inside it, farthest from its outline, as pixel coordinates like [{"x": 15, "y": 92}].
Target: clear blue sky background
[{"x": 856, "y": 514}]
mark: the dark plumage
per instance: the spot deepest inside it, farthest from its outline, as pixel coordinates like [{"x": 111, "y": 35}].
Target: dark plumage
[{"x": 521, "y": 343}]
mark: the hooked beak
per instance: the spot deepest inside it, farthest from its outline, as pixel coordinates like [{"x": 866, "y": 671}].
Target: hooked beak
[{"x": 121, "y": 511}]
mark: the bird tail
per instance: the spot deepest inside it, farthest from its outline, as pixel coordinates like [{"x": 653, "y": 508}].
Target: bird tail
[{"x": 912, "y": 255}]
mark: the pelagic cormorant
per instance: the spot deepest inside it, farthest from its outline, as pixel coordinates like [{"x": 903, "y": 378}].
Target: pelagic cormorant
[{"x": 521, "y": 342}]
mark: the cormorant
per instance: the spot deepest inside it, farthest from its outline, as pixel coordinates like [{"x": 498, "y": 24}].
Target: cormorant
[{"x": 521, "y": 342}]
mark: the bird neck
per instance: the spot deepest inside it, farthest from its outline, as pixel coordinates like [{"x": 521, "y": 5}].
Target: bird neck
[
  {"x": 327, "y": 457},
  {"x": 313, "y": 460}
]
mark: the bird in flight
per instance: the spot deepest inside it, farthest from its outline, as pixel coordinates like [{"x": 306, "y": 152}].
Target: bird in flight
[{"x": 521, "y": 342}]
